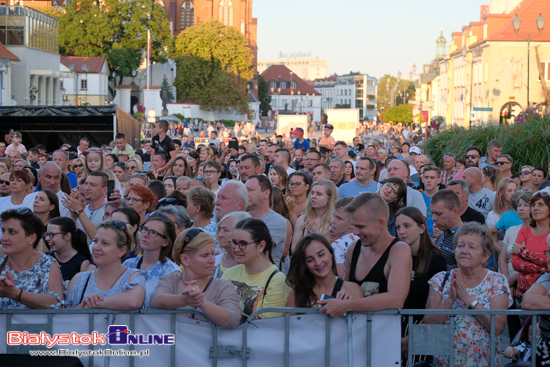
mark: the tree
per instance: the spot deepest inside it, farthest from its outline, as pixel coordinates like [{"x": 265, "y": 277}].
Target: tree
[
  {"x": 212, "y": 60},
  {"x": 388, "y": 95},
  {"x": 165, "y": 86},
  {"x": 50, "y": 10},
  {"x": 122, "y": 61},
  {"x": 401, "y": 113},
  {"x": 92, "y": 28},
  {"x": 263, "y": 94}
]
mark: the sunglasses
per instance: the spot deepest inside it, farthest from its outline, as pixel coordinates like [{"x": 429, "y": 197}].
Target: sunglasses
[
  {"x": 501, "y": 163},
  {"x": 542, "y": 192},
  {"x": 26, "y": 212},
  {"x": 4, "y": 182},
  {"x": 520, "y": 172},
  {"x": 471, "y": 156},
  {"x": 166, "y": 201},
  {"x": 194, "y": 232}
]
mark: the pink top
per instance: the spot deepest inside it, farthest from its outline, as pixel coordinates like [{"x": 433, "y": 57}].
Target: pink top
[{"x": 20, "y": 148}]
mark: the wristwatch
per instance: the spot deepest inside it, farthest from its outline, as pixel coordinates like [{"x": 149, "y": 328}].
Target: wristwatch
[
  {"x": 76, "y": 213},
  {"x": 473, "y": 304}
]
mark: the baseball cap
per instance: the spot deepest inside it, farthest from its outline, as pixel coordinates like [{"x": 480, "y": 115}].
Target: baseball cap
[
  {"x": 298, "y": 131},
  {"x": 415, "y": 150}
]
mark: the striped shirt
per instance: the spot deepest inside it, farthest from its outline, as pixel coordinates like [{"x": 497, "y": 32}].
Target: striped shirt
[{"x": 445, "y": 242}]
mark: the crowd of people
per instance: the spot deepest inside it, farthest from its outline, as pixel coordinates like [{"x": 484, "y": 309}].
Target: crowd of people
[{"x": 235, "y": 225}]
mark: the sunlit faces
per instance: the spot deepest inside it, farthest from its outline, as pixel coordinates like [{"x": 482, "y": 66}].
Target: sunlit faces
[
  {"x": 14, "y": 240},
  {"x": 104, "y": 247},
  {"x": 469, "y": 251},
  {"x": 408, "y": 230},
  {"x": 511, "y": 188},
  {"x": 318, "y": 260},
  {"x": 366, "y": 226},
  {"x": 137, "y": 181},
  {"x": 442, "y": 216},
  {"x": 149, "y": 242},
  {"x": 41, "y": 203},
  {"x": 192, "y": 162},
  {"x": 274, "y": 177},
  {"x": 178, "y": 168},
  {"x": 431, "y": 179},
  {"x": 183, "y": 186},
  {"x": 56, "y": 238},
  {"x": 201, "y": 263},
  {"x": 297, "y": 186},
  {"x": 94, "y": 161},
  {"x": 247, "y": 169}
]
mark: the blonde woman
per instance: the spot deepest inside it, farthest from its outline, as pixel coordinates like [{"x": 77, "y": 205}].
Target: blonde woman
[
  {"x": 503, "y": 202},
  {"x": 134, "y": 165},
  {"x": 318, "y": 211}
]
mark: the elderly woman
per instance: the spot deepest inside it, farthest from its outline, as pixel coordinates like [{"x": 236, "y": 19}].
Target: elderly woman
[
  {"x": 470, "y": 286},
  {"x": 226, "y": 226},
  {"x": 28, "y": 279},
  {"x": 196, "y": 288},
  {"x": 200, "y": 207},
  {"x": 528, "y": 257},
  {"x": 112, "y": 285},
  {"x": 157, "y": 238}
]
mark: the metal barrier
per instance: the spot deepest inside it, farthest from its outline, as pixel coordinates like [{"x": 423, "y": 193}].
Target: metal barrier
[{"x": 424, "y": 339}]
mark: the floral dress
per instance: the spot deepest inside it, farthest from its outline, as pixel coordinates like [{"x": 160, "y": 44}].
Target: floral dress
[
  {"x": 471, "y": 339},
  {"x": 34, "y": 280}
]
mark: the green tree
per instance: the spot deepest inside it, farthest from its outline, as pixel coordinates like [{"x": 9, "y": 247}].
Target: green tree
[
  {"x": 122, "y": 61},
  {"x": 165, "y": 86},
  {"x": 386, "y": 91},
  {"x": 92, "y": 28},
  {"x": 263, "y": 95},
  {"x": 401, "y": 113},
  {"x": 214, "y": 62}
]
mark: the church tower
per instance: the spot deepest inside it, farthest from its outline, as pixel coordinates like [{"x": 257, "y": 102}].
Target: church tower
[{"x": 441, "y": 44}]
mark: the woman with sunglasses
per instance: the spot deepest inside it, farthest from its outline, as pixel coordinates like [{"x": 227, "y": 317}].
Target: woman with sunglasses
[
  {"x": 196, "y": 288},
  {"x": 394, "y": 193},
  {"x": 28, "y": 279},
  {"x": 20, "y": 187},
  {"x": 68, "y": 246},
  {"x": 528, "y": 257},
  {"x": 157, "y": 236},
  {"x": 318, "y": 211},
  {"x": 112, "y": 285},
  {"x": 134, "y": 165},
  {"x": 77, "y": 164},
  {"x": 140, "y": 198},
  {"x": 110, "y": 160},
  {"x": 312, "y": 274},
  {"x": 258, "y": 281},
  {"x": 525, "y": 178},
  {"x": 299, "y": 184}
]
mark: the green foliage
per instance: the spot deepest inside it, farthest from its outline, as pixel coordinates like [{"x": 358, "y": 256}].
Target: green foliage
[
  {"x": 263, "y": 95},
  {"x": 227, "y": 123},
  {"x": 92, "y": 28},
  {"x": 401, "y": 113},
  {"x": 50, "y": 10},
  {"x": 526, "y": 143},
  {"x": 166, "y": 86},
  {"x": 384, "y": 94},
  {"x": 123, "y": 60},
  {"x": 212, "y": 60}
]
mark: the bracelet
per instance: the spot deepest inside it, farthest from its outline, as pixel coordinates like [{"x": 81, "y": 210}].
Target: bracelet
[
  {"x": 473, "y": 304},
  {"x": 20, "y": 294}
]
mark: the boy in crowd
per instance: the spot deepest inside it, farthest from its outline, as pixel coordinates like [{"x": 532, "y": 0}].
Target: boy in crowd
[{"x": 162, "y": 143}]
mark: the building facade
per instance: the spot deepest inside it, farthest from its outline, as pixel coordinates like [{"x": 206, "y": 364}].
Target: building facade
[
  {"x": 306, "y": 68},
  {"x": 89, "y": 81},
  {"x": 487, "y": 75}
]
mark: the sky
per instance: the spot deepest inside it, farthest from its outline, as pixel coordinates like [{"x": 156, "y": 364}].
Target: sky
[{"x": 375, "y": 38}]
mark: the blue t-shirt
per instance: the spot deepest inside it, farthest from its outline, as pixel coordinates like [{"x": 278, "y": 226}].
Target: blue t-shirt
[
  {"x": 508, "y": 219},
  {"x": 429, "y": 220},
  {"x": 73, "y": 179},
  {"x": 303, "y": 145},
  {"x": 353, "y": 189},
  {"x": 187, "y": 144}
]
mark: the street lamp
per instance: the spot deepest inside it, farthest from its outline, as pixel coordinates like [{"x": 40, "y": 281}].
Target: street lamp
[{"x": 516, "y": 23}]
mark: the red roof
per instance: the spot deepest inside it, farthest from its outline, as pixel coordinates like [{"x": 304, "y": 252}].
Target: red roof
[
  {"x": 280, "y": 72},
  {"x": 6, "y": 54},
  {"x": 528, "y": 11},
  {"x": 94, "y": 63}
]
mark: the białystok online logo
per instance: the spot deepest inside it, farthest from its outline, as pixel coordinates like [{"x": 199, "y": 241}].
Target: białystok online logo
[{"x": 116, "y": 335}]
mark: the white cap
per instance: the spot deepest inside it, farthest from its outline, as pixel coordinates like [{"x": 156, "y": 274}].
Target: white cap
[{"x": 415, "y": 150}]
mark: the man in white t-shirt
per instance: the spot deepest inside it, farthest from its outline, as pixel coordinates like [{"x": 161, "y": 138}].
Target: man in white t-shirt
[{"x": 481, "y": 198}]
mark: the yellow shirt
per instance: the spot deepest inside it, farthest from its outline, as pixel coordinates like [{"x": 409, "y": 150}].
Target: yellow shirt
[{"x": 251, "y": 290}]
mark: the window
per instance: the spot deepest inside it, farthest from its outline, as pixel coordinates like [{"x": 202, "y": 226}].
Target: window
[
  {"x": 293, "y": 85},
  {"x": 187, "y": 15},
  {"x": 310, "y": 103},
  {"x": 283, "y": 85},
  {"x": 84, "y": 84},
  {"x": 225, "y": 10}
]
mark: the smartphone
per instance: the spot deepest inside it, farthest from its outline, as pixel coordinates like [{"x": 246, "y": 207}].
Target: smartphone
[
  {"x": 233, "y": 144},
  {"x": 323, "y": 297},
  {"x": 110, "y": 189}
]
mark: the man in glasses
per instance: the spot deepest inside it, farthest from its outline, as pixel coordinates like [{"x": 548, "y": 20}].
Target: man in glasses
[
  {"x": 504, "y": 165},
  {"x": 494, "y": 150},
  {"x": 473, "y": 157},
  {"x": 312, "y": 159}
]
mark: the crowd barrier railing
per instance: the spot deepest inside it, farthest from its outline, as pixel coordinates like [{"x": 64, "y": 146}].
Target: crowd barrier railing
[{"x": 357, "y": 339}]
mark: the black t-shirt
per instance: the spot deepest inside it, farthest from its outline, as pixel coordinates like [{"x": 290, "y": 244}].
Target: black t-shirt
[
  {"x": 166, "y": 146},
  {"x": 472, "y": 215}
]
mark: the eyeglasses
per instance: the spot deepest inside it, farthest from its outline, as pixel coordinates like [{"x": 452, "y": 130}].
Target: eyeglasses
[
  {"x": 4, "y": 182},
  {"x": 387, "y": 184},
  {"x": 471, "y": 156},
  {"x": 135, "y": 200},
  {"x": 131, "y": 167},
  {"x": 210, "y": 172},
  {"x": 241, "y": 244},
  {"x": 150, "y": 232},
  {"x": 295, "y": 184},
  {"x": 51, "y": 234},
  {"x": 191, "y": 234},
  {"x": 499, "y": 163},
  {"x": 520, "y": 172}
]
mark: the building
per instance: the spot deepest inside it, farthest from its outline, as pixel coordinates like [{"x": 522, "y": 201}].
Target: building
[
  {"x": 290, "y": 94},
  {"x": 488, "y": 74},
  {"x": 89, "y": 83},
  {"x": 303, "y": 65},
  {"x": 353, "y": 90},
  {"x": 6, "y": 59},
  {"x": 33, "y": 37}
]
